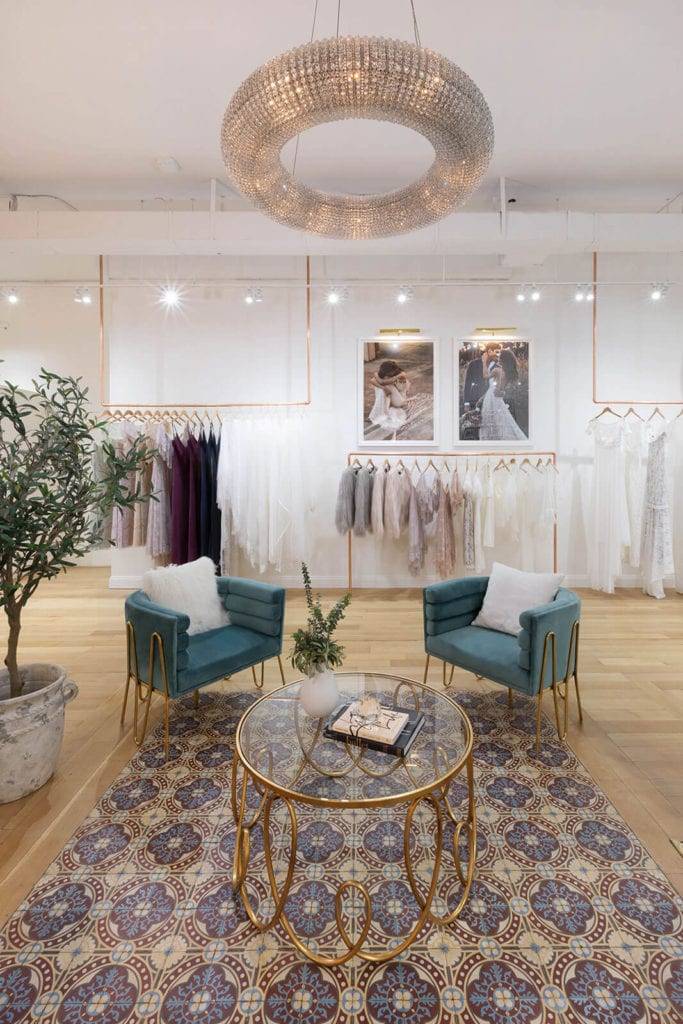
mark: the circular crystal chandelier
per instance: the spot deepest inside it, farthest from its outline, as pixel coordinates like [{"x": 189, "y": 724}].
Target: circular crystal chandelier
[{"x": 357, "y": 77}]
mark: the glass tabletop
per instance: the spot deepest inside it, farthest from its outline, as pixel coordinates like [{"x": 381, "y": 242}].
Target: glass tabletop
[{"x": 287, "y": 751}]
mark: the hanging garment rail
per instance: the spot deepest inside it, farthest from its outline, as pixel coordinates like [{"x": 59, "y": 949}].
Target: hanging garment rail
[
  {"x": 445, "y": 456},
  {"x": 612, "y": 401},
  {"x": 115, "y": 406}
]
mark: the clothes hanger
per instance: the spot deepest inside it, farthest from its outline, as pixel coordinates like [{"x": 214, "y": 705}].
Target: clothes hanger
[
  {"x": 632, "y": 412},
  {"x": 502, "y": 464},
  {"x": 606, "y": 409},
  {"x": 656, "y": 412},
  {"x": 356, "y": 463}
]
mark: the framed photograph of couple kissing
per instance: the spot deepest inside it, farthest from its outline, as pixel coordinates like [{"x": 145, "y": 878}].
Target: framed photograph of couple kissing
[
  {"x": 398, "y": 391},
  {"x": 493, "y": 392}
]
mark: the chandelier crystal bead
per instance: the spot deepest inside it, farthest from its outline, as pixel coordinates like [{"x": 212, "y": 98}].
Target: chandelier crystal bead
[{"x": 357, "y": 77}]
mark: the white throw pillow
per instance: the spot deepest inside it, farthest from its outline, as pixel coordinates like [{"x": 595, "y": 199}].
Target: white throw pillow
[
  {"x": 511, "y": 592},
  {"x": 189, "y": 588}
]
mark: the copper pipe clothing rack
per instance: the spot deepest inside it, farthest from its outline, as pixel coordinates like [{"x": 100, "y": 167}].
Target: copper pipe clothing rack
[
  {"x": 435, "y": 456},
  {"x": 611, "y": 401},
  {"x": 111, "y": 407}
]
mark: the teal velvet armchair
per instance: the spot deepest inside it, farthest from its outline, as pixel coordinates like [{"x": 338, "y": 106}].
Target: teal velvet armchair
[
  {"x": 527, "y": 663},
  {"x": 164, "y": 657}
]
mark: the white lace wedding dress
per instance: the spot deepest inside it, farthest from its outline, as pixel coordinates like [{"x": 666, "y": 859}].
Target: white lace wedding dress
[{"x": 656, "y": 549}]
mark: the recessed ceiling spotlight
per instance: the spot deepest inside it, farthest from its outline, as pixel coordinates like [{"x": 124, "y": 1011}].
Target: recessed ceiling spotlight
[
  {"x": 11, "y": 296},
  {"x": 404, "y": 295},
  {"x": 535, "y": 294},
  {"x": 253, "y": 296},
  {"x": 170, "y": 297},
  {"x": 83, "y": 296},
  {"x": 658, "y": 292},
  {"x": 521, "y": 295},
  {"x": 580, "y": 294}
]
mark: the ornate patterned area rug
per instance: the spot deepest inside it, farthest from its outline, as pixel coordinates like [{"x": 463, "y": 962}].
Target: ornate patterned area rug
[{"x": 569, "y": 919}]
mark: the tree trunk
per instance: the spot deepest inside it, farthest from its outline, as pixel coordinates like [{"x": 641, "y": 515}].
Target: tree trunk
[{"x": 14, "y": 620}]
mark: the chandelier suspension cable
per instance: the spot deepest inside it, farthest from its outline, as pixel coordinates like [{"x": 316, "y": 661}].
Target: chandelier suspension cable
[
  {"x": 296, "y": 147},
  {"x": 416, "y": 29}
]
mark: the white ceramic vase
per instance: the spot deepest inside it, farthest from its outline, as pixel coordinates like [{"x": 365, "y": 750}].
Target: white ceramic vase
[
  {"x": 318, "y": 694},
  {"x": 31, "y": 728}
]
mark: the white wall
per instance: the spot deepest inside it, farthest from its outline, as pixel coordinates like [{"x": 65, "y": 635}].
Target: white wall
[{"x": 218, "y": 350}]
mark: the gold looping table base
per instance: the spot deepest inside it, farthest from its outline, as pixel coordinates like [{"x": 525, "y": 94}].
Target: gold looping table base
[{"x": 437, "y": 799}]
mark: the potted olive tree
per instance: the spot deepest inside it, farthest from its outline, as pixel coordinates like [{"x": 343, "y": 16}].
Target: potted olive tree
[
  {"x": 60, "y": 476},
  {"x": 316, "y": 654}
]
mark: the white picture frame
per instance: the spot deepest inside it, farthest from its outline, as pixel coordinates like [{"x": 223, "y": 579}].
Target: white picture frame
[
  {"x": 483, "y": 417},
  {"x": 417, "y": 387}
]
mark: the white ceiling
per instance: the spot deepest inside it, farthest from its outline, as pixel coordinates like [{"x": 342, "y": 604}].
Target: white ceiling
[{"x": 585, "y": 94}]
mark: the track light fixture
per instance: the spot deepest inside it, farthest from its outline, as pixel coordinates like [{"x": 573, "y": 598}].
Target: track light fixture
[
  {"x": 528, "y": 293},
  {"x": 336, "y": 295},
  {"x": 405, "y": 294},
  {"x": 11, "y": 296},
  {"x": 253, "y": 296},
  {"x": 83, "y": 296},
  {"x": 658, "y": 292},
  {"x": 170, "y": 297},
  {"x": 583, "y": 293}
]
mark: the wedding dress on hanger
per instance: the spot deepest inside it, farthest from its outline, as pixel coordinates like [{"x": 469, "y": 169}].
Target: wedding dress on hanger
[
  {"x": 656, "y": 549},
  {"x": 262, "y": 489},
  {"x": 608, "y": 528},
  {"x": 497, "y": 422},
  {"x": 634, "y": 442},
  {"x": 676, "y": 435}
]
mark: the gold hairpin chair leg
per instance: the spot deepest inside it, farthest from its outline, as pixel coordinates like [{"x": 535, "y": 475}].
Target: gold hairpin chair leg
[
  {"x": 548, "y": 642},
  {"x": 561, "y": 686},
  {"x": 282, "y": 671},
  {"x": 131, "y": 658},
  {"x": 424, "y": 681},
  {"x": 258, "y": 685},
  {"x": 143, "y": 690}
]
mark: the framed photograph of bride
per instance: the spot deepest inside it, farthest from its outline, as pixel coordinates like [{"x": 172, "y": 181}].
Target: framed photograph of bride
[
  {"x": 397, "y": 391},
  {"x": 493, "y": 392}
]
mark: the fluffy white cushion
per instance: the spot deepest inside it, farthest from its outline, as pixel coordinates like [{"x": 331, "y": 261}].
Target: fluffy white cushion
[
  {"x": 511, "y": 592},
  {"x": 191, "y": 589}
]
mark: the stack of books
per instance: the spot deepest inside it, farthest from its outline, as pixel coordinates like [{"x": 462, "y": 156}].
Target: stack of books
[{"x": 393, "y": 731}]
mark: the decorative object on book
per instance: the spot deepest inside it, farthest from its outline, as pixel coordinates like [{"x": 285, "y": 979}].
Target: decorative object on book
[
  {"x": 316, "y": 654},
  {"x": 391, "y": 730},
  {"x": 424, "y": 805},
  {"x": 65, "y": 478}
]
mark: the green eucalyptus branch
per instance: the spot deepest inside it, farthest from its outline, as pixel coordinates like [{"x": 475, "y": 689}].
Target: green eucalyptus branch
[{"x": 313, "y": 649}]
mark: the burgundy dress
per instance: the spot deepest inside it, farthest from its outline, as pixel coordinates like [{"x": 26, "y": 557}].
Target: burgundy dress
[
  {"x": 194, "y": 452},
  {"x": 179, "y": 503}
]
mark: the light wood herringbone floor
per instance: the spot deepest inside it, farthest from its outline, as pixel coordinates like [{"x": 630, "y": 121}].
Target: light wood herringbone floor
[{"x": 631, "y": 675}]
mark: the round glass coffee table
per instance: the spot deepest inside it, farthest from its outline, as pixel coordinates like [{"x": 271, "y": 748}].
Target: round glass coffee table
[{"x": 288, "y": 766}]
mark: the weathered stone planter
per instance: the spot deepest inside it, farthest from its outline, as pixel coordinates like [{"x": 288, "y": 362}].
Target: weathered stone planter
[{"x": 31, "y": 728}]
